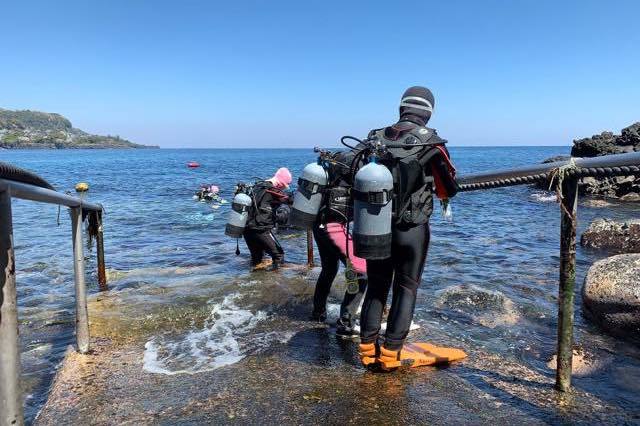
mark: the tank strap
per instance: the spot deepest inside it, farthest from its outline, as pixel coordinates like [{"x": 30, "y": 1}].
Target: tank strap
[{"x": 379, "y": 198}]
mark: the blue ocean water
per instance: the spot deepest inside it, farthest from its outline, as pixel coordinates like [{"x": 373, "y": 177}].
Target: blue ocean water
[{"x": 490, "y": 279}]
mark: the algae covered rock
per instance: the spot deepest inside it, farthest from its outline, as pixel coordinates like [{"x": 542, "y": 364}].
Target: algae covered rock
[
  {"x": 611, "y": 294},
  {"x": 618, "y": 237}
]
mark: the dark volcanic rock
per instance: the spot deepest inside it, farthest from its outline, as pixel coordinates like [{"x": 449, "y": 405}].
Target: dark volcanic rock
[
  {"x": 618, "y": 237},
  {"x": 608, "y": 143},
  {"x": 611, "y": 294},
  {"x": 625, "y": 188}
]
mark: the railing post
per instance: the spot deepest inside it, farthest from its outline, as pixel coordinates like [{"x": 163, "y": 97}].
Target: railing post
[
  {"x": 10, "y": 394},
  {"x": 568, "y": 221},
  {"x": 82, "y": 316},
  {"x": 102, "y": 274},
  {"x": 309, "y": 248}
]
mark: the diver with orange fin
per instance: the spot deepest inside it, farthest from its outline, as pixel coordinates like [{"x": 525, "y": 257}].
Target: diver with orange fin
[{"x": 398, "y": 169}]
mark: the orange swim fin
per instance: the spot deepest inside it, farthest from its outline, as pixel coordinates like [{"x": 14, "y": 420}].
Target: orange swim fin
[
  {"x": 262, "y": 266},
  {"x": 418, "y": 354}
]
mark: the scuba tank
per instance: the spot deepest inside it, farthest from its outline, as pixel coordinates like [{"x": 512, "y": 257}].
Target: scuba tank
[
  {"x": 372, "y": 211},
  {"x": 239, "y": 214},
  {"x": 308, "y": 198}
]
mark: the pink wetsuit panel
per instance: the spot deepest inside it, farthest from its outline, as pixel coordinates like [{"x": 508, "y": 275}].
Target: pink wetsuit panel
[{"x": 338, "y": 235}]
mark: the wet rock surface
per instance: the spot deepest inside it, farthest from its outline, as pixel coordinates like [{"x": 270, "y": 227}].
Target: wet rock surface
[
  {"x": 617, "y": 237},
  {"x": 611, "y": 294},
  {"x": 311, "y": 377}
]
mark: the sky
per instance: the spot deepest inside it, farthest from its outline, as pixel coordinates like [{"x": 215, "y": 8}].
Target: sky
[{"x": 208, "y": 74}]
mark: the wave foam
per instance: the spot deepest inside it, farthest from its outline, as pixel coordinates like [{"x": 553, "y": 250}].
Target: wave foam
[{"x": 224, "y": 340}]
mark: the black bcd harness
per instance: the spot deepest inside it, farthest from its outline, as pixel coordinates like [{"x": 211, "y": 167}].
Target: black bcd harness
[{"x": 409, "y": 150}]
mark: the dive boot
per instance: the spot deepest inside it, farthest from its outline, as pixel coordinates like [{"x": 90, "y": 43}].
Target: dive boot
[
  {"x": 367, "y": 352},
  {"x": 262, "y": 266},
  {"x": 418, "y": 354},
  {"x": 345, "y": 330}
]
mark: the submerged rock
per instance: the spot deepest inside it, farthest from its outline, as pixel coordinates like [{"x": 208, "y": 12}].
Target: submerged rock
[
  {"x": 618, "y": 237},
  {"x": 485, "y": 307},
  {"x": 611, "y": 294},
  {"x": 583, "y": 363}
]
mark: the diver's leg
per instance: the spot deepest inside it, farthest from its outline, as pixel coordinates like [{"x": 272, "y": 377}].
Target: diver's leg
[
  {"x": 272, "y": 247},
  {"x": 380, "y": 273},
  {"x": 329, "y": 260},
  {"x": 409, "y": 253},
  {"x": 254, "y": 245}
]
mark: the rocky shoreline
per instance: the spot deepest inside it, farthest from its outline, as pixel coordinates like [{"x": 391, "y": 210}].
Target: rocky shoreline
[{"x": 624, "y": 188}]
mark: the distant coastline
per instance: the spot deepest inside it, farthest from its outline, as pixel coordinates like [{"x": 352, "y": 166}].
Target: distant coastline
[{"x": 42, "y": 130}]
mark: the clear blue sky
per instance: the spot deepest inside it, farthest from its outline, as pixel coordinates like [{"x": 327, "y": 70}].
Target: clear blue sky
[{"x": 302, "y": 73}]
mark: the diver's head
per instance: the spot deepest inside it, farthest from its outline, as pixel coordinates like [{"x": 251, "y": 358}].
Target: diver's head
[
  {"x": 416, "y": 105},
  {"x": 282, "y": 178}
]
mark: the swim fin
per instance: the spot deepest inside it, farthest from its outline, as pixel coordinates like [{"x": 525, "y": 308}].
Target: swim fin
[
  {"x": 262, "y": 266},
  {"x": 418, "y": 354}
]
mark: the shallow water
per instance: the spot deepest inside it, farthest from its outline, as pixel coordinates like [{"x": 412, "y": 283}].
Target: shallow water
[{"x": 490, "y": 282}]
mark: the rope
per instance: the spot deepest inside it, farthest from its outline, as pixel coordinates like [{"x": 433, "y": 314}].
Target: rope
[
  {"x": 542, "y": 177},
  {"x": 558, "y": 175}
]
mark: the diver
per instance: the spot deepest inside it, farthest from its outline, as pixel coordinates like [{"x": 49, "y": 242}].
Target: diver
[
  {"x": 266, "y": 196},
  {"x": 208, "y": 193},
  {"x": 330, "y": 232},
  {"x": 418, "y": 163}
]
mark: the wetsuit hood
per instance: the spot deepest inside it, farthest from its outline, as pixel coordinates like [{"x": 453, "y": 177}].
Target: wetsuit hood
[{"x": 416, "y": 105}]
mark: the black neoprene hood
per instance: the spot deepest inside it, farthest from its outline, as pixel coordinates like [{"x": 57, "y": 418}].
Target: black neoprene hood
[{"x": 416, "y": 105}]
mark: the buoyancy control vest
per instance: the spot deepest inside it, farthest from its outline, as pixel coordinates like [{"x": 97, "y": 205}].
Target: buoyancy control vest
[
  {"x": 416, "y": 169},
  {"x": 337, "y": 204},
  {"x": 265, "y": 199}
]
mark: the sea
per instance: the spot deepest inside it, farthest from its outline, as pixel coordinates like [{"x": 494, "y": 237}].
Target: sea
[{"x": 490, "y": 282}]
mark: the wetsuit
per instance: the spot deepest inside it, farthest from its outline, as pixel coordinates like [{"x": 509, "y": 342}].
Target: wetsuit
[
  {"x": 403, "y": 270},
  {"x": 330, "y": 258},
  {"x": 336, "y": 211},
  {"x": 257, "y": 234}
]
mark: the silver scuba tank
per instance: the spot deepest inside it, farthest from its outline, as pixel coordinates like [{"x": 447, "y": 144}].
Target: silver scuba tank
[
  {"x": 308, "y": 197},
  {"x": 372, "y": 211},
  {"x": 238, "y": 215}
]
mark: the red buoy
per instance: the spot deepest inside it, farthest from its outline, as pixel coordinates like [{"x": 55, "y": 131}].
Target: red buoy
[{"x": 192, "y": 164}]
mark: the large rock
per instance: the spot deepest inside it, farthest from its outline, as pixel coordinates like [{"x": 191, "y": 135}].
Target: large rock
[
  {"x": 608, "y": 143},
  {"x": 611, "y": 294},
  {"x": 624, "y": 188},
  {"x": 618, "y": 237}
]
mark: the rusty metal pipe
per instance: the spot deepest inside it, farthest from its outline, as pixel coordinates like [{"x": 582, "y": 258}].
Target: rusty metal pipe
[{"x": 11, "y": 411}]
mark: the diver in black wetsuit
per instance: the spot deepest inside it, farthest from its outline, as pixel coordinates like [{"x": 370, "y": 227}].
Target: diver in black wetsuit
[
  {"x": 330, "y": 231},
  {"x": 413, "y": 205},
  {"x": 267, "y": 196}
]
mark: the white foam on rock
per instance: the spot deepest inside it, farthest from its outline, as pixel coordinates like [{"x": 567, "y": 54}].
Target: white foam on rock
[{"x": 225, "y": 339}]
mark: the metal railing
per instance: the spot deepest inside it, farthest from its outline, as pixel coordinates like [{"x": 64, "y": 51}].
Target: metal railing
[
  {"x": 564, "y": 176},
  {"x": 11, "y": 401}
]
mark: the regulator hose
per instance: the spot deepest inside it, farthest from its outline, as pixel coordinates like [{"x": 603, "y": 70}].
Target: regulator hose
[{"x": 16, "y": 174}]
